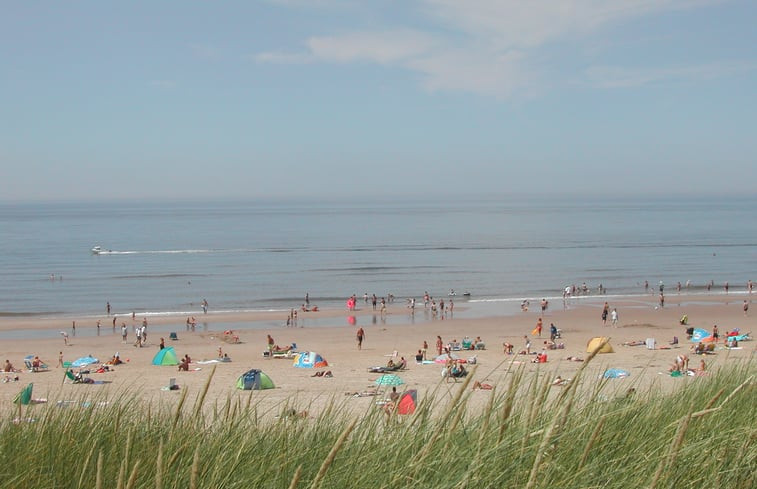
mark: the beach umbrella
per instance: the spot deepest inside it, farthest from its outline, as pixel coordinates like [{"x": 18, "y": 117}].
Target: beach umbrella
[
  {"x": 444, "y": 357},
  {"x": 25, "y": 396},
  {"x": 699, "y": 334},
  {"x": 408, "y": 402},
  {"x": 389, "y": 379},
  {"x": 84, "y": 361}
]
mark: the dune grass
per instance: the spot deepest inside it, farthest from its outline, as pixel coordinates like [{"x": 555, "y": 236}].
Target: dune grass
[{"x": 703, "y": 435}]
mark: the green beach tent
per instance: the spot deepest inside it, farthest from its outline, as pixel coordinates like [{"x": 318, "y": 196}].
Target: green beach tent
[
  {"x": 166, "y": 356},
  {"x": 254, "y": 380}
]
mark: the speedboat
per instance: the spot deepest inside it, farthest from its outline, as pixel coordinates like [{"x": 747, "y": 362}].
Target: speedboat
[{"x": 96, "y": 250}]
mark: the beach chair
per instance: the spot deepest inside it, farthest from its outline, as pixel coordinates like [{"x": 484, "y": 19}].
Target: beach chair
[
  {"x": 29, "y": 363},
  {"x": 173, "y": 336}
]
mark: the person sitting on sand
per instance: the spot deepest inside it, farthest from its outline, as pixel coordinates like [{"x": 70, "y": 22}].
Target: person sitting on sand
[
  {"x": 36, "y": 364},
  {"x": 116, "y": 360},
  {"x": 683, "y": 362},
  {"x": 390, "y": 363},
  {"x": 458, "y": 370},
  {"x": 403, "y": 364},
  {"x": 9, "y": 367}
]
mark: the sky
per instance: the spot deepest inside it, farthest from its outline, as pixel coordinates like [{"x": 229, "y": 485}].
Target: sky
[{"x": 337, "y": 99}]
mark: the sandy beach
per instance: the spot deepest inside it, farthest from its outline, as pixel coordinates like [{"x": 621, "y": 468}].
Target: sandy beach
[{"x": 639, "y": 319}]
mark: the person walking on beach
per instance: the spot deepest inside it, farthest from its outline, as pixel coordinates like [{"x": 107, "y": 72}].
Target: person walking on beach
[
  {"x": 360, "y": 336},
  {"x": 528, "y": 344},
  {"x": 124, "y": 332},
  {"x": 538, "y": 328},
  {"x": 746, "y": 307},
  {"x": 271, "y": 344},
  {"x": 60, "y": 359},
  {"x": 614, "y": 317},
  {"x": 204, "y": 306},
  {"x": 439, "y": 345},
  {"x": 605, "y": 311},
  {"x": 424, "y": 349}
]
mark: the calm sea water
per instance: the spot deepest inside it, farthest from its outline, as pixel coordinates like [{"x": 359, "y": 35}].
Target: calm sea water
[{"x": 168, "y": 257}]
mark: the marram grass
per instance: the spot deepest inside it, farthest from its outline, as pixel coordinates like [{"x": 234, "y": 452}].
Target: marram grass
[{"x": 702, "y": 435}]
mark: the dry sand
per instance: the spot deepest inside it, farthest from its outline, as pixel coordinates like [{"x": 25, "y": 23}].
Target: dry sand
[{"x": 579, "y": 322}]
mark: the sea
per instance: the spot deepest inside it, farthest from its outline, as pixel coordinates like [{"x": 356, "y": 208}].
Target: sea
[{"x": 164, "y": 258}]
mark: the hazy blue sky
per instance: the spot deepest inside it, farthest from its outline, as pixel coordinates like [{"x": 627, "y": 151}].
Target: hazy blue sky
[{"x": 329, "y": 98}]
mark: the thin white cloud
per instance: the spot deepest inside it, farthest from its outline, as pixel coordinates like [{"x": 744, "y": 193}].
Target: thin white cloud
[
  {"x": 621, "y": 77},
  {"x": 487, "y": 46},
  {"x": 514, "y": 23},
  {"x": 498, "y": 75},
  {"x": 380, "y": 47}
]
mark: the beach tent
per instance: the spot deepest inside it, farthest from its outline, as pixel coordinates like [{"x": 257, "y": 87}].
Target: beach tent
[
  {"x": 615, "y": 373},
  {"x": 309, "y": 359},
  {"x": 254, "y": 379},
  {"x": 700, "y": 334},
  {"x": 389, "y": 379},
  {"x": 166, "y": 356},
  {"x": 25, "y": 396},
  {"x": 594, "y": 344},
  {"x": 83, "y": 361},
  {"x": 408, "y": 402}
]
